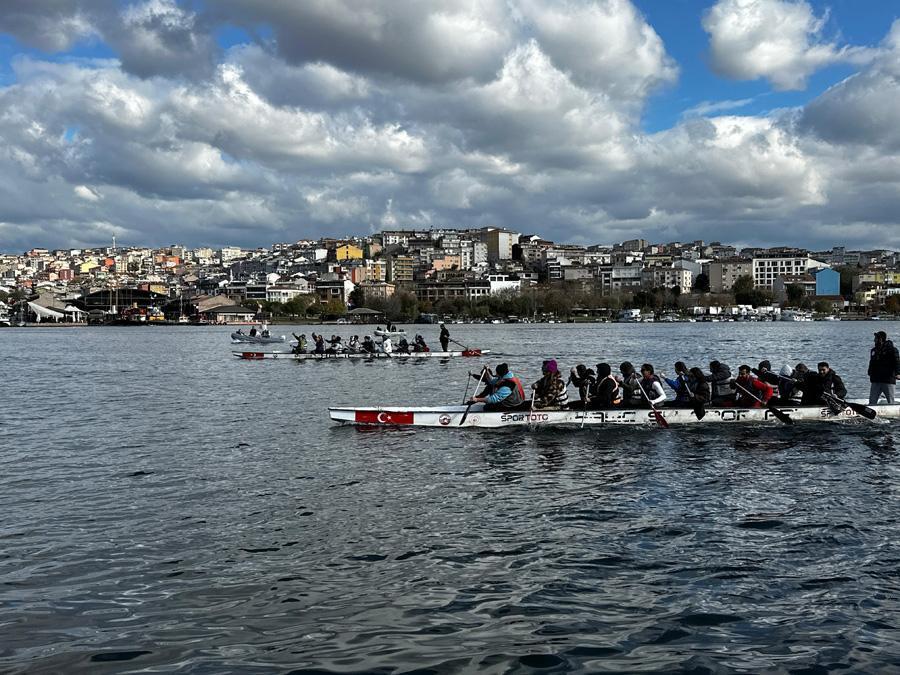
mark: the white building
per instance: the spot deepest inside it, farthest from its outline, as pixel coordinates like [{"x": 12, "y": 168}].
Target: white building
[
  {"x": 501, "y": 282},
  {"x": 767, "y": 269}
]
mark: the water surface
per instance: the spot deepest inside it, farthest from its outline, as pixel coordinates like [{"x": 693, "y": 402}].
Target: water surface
[{"x": 165, "y": 507}]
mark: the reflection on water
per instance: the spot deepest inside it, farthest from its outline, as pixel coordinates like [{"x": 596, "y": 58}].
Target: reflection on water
[{"x": 166, "y": 507}]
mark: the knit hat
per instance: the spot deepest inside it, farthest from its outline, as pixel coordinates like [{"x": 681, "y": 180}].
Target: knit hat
[{"x": 550, "y": 366}]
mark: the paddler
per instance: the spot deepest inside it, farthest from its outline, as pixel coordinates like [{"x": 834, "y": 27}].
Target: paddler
[
  {"x": 419, "y": 344},
  {"x": 368, "y": 345},
  {"x": 630, "y": 385},
  {"x": 719, "y": 379},
  {"x": 550, "y": 390},
  {"x": 700, "y": 389},
  {"x": 583, "y": 378},
  {"x": 682, "y": 384},
  {"x": 319, "y": 340},
  {"x": 353, "y": 344},
  {"x": 444, "y": 339},
  {"x": 502, "y": 392},
  {"x": 605, "y": 393},
  {"x": 386, "y": 345},
  {"x": 817, "y": 387},
  {"x": 301, "y": 343},
  {"x": 749, "y": 391},
  {"x": 403, "y": 346},
  {"x": 651, "y": 386}
]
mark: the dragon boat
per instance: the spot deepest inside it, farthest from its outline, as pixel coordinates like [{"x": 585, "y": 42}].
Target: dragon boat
[{"x": 461, "y": 416}]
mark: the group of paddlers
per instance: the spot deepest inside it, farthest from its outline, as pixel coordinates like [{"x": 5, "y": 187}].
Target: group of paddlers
[
  {"x": 599, "y": 389},
  {"x": 319, "y": 344}
]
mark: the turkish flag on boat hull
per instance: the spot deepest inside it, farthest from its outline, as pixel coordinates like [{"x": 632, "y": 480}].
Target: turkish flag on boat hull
[
  {"x": 252, "y": 355},
  {"x": 381, "y": 417}
]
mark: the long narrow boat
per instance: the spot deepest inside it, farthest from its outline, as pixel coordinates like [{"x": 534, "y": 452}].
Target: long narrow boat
[
  {"x": 454, "y": 416},
  {"x": 361, "y": 356}
]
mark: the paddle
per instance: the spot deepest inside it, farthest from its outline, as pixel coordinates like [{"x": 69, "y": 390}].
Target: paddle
[
  {"x": 782, "y": 416},
  {"x": 468, "y": 407},
  {"x": 660, "y": 420},
  {"x": 466, "y": 394},
  {"x": 858, "y": 408}
]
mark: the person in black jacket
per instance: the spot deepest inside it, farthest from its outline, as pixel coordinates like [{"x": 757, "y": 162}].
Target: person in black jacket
[
  {"x": 884, "y": 369},
  {"x": 824, "y": 381},
  {"x": 719, "y": 379}
]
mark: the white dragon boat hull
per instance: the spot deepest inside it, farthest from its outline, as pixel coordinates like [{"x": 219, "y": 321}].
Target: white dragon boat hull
[
  {"x": 361, "y": 356},
  {"x": 452, "y": 416}
]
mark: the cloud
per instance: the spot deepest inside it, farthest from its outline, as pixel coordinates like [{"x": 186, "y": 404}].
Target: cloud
[
  {"x": 534, "y": 124},
  {"x": 86, "y": 193},
  {"x": 708, "y": 107},
  {"x": 157, "y": 37},
  {"x": 862, "y": 110},
  {"x": 606, "y": 45},
  {"x": 50, "y": 25},
  {"x": 426, "y": 42},
  {"x": 779, "y": 40}
]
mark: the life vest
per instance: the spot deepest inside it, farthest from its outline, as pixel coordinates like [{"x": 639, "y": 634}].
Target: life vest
[
  {"x": 647, "y": 386},
  {"x": 616, "y": 397},
  {"x": 517, "y": 397}
]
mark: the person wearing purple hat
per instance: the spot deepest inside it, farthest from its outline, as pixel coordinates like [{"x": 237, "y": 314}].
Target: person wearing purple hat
[
  {"x": 550, "y": 391},
  {"x": 884, "y": 369}
]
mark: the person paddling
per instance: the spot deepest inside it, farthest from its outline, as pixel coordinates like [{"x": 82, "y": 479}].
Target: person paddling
[
  {"x": 605, "y": 393},
  {"x": 749, "y": 391},
  {"x": 681, "y": 385},
  {"x": 353, "y": 344},
  {"x": 419, "y": 344},
  {"x": 301, "y": 343},
  {"x": 630, "y": 385},
  {"x": 550, "y": 390},
  {"x": 502, "y": 392},
  {"x": 444, "y": 339},
  {"x": 368, "y": 345},
  {"x": 319, "y": 340},
  {"x": 651, "y": 386},
  {"x": 719, "y": 379},
  {"x": 583, "y": 379},
  {"x": 822, "y": 384},
  {"x": 386, "y": 346},
  {"x": 699, "y": 387},
  {"x": 403, "y": 346}
]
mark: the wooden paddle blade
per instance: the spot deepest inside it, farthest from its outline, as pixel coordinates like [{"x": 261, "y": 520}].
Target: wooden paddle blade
[
  {"x": 699, "y": 411},
  {"x": 782, "y": 416},
  {"x": 465, "y": 414},
  {"x": 863, "y": 410}
]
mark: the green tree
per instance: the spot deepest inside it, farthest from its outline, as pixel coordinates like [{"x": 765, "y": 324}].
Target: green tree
[
  {"x": 823, "y": 306},
  {"x": 795, "y": 293},
  {"x": 357, "y": 297},
  {"x": 701, "y": 283},
  {"x": 743, "y": 290}
]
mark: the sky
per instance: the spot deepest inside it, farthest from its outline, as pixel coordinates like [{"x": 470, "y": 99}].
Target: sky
[{"x": 248, "y": 122}]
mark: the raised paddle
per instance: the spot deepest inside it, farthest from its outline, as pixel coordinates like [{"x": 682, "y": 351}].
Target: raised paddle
[
  {"x": 468, "y": 407},
  {"x": 858, "y": 408},
  {"x": 660, "y": 420},
  {"x": 781, "y": 415}
]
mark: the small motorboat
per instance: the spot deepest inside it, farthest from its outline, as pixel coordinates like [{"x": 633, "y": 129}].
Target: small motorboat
[{"x": 256, "y": 337}]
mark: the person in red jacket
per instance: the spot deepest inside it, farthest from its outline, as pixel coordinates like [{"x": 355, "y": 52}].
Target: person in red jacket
[{"x": 747, "y": 386}]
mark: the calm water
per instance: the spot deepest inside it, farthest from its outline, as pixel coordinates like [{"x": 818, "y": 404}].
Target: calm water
[{"x": 165, "y": 507}]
